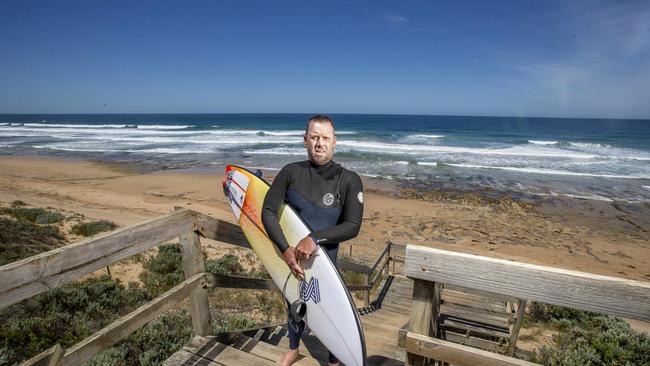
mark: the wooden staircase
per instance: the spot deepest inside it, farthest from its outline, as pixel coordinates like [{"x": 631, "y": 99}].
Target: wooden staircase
[{"x": 265, "y": 346}]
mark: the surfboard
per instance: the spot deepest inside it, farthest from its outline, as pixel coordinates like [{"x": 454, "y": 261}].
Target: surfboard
[{"x": 330, "y": 311}]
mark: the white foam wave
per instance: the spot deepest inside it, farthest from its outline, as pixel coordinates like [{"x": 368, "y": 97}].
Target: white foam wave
[
  {"x": 167, "y": 150},
  {"x": 276, "y": 151},
  {"x": 541, "y": 171},
  {"x": 299, "y": 133},
  {"x": 48, "y": 131},
  {"x": 542, "y": 142},
  {"x": 646, "y": 187},
  {"x": 587, "y": 144},
  {"x": 65, "y": 125},
  {"x": 594, "y": 197},
  {"x": 420, "y": 149},
  {"x": 63, "y": 148},
  {"x": 426, "y": 136},
  {"x": 163, "y": 127}
]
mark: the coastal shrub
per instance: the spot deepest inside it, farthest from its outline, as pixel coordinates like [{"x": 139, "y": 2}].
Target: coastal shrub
[
  {"x": 36, "y": 215},
  {"x": 586, "y": 338},
  {"x": 65, "y": 315},
  {"x": 162, "y": 271},
  {"x": 151, "y": 344},
  {"x": 223, "y": 322},
  {"x": 226, "y": 265},
  {"x": 93, "y": 227},
  {"x": 18, "y": 203},
  {"x": 21, "y": 239}
]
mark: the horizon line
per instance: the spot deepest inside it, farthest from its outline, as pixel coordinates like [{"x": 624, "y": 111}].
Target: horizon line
[{"x": 311, "y": 113}]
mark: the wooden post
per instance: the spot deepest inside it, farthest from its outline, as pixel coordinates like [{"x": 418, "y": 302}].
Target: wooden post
[
  {"x": 49, "y": 357},
  {"x": 514, "y": 335},
  {"x": 193, "y": 264},
  {"x": 366, "y": 293},
  {"x": 421, "y": 315}
]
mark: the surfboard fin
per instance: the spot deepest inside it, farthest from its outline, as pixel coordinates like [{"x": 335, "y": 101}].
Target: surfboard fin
[{"x": 258, "y": 172}]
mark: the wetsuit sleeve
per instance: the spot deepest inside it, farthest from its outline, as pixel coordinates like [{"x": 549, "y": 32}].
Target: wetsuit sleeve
[
  {"x": 350, "y": 222},
  {"x": 270, "y": 210}
]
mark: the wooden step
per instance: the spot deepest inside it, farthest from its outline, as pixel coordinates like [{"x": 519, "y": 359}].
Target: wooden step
[
  {"x": 261, "y": 349},
  {"x": 209, "y": 351}
]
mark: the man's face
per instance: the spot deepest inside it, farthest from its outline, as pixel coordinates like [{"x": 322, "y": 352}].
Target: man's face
[{"x": 320, "y": 142}]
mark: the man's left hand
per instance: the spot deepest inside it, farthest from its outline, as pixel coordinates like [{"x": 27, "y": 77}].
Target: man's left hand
[{"x": 305, "y": 248}]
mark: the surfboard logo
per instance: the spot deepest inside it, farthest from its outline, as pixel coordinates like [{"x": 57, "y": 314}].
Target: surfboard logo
[
  {"x": 328, "y": 199},
  {"x": 310, "y": 290}
]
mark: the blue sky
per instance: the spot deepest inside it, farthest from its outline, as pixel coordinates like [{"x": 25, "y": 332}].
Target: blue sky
[{"x": 518, "y": 58}]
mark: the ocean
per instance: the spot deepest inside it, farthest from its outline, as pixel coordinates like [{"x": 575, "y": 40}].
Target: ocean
[{"x": 601, "y": 159}]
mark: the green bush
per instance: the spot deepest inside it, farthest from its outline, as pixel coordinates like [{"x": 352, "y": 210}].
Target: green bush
[
  {"x": 36, "y": 215},
  {"x": 93, "y": 227},
  {"x": 226, "y": 265},
  {"x": 163, "y": 271},
  {"x": 64, "y": 315},
  {"x": 230, "y": 322},
  {"x": 151, "y": 344},
  {"x": 22, "y": 239},
  {"x": 586, "y": 338}
]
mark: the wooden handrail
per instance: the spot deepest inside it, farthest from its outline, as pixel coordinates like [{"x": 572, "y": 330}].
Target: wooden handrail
[
  {"x": 30, "y": 276},
  {"x": 580, "y": 290},
  {"x": 441, "y": 350}
]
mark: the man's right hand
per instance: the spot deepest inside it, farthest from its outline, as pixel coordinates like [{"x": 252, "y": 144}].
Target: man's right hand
[{"x": 292, "y": 261}]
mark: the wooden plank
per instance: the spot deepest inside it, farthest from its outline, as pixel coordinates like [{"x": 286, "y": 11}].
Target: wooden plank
[
  {"x": 49, "y": 357},
  {"x": 192, "y": 263},
  {"x": 470, "y": 309},
  {"x": 220, "y": 230},
  {"x": 261, "y": 349},
  {"x": 366, "y": 293},
  {"x": 521, "y": 309},
  {"x": 381, "y": 258},
  {"x": 485, "y": 294},
  {"x": 358, "y": 287},
  {"x": 213, "y": 350},
  {"x": 224, "y": 281},
  {"x": 347, "y": 265},
  {"x": 475, "y": 342},
  {"x": 602, "y": 294},
  {"x": 127, "y": 324},
  {"x": 30, "y": 276},
  {"x": 442, "y": 350},
  {"x": 475, "y": 301},
  {"x": 477, "y": 328},
  {"x": 185, "y": 358},
  {"x": 487, "y": 319},
  {"x": 421, "y": 314}
]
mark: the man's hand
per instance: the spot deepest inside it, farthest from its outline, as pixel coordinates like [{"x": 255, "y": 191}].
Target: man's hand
[
  {"x": 290, "y": 257},
  {"x": 305, "y": 248}
]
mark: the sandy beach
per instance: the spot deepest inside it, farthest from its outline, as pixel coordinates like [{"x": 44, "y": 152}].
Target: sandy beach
[{"x": 597, "y": 237}]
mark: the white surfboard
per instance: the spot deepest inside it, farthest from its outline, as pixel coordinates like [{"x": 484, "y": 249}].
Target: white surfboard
[{"x": 331, "y": 314}]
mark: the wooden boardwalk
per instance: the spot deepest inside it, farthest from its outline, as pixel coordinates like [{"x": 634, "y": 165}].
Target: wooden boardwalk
[
  {"x": 426, "y": 300},
  {"x": 265, "y": 346}
]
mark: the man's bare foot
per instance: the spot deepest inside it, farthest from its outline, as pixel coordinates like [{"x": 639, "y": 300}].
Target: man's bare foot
[
  {"x": 333, "y": 364},
  {"x": 289, "y": 358}
]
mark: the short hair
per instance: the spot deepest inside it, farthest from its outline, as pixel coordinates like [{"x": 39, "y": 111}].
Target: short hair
[{"x": 319, "y": 118}]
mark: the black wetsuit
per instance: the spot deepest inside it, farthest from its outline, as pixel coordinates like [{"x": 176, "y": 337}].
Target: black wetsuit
[{"x": 329, "y": 199}]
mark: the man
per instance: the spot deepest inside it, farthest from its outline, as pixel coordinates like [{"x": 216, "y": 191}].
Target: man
[{"x": 329, "y": 199}]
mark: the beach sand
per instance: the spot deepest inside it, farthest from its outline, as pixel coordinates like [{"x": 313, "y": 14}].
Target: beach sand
[{"x": 598, "y": 237}]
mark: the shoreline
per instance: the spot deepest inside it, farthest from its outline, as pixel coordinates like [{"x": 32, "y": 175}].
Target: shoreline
[{"x": 593, "y": 236}]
